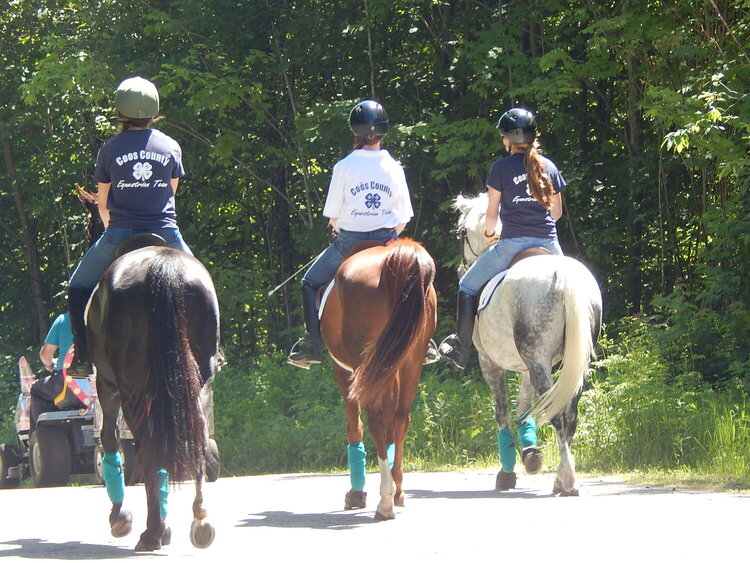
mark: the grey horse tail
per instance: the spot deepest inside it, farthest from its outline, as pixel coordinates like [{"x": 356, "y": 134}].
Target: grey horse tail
[{"x": 582, "y": 319}]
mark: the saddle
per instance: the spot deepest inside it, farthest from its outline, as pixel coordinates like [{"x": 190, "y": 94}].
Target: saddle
[{"x": 489, "y": 288}]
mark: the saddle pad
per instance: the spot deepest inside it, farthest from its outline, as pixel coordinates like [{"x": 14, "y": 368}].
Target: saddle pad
[
  {"x": 323, "y": 299},
  {"x": 489, "y": 289}
]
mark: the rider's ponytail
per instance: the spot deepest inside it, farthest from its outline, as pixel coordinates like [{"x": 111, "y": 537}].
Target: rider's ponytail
[{"x": 539, "y": 183}]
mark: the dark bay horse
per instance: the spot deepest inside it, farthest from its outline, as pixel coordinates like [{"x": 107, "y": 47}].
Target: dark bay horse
[
  {"x": 547, "y": 310},
  {"x": 153, "y": 330},
  {"x": 377, "y": 323}
]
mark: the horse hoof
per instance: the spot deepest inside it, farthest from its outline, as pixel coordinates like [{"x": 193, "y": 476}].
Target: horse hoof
[
  {"x": 147, "y": 544},
  {"x": 571, "y": 493},
  {"x": 120, "y": 522},
  {"x": 355, "y": 500},
  {"x": 166, "y": 537},
  {"x": 380, "y": 517},
  {"x": 505, "y": 480},
  {"x": 398, "y": 500},
  {"x": 532, "y": 460},
  {"x": 202, "y": 534}
]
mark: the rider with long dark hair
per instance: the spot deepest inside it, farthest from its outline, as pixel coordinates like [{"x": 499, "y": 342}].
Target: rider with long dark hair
[
  {"x": 137, "y": 173},
  {"x": 524, "y": 190},
  {"x": 368, "y": 199}
]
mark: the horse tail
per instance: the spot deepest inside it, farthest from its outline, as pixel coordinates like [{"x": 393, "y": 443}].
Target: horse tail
[
  {"x": 582, "y": 321},
  {"x": 175, "y": 423},
  {"x": 407, "y": 274}
]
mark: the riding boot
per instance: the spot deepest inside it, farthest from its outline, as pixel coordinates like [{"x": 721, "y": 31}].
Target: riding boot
[
  {"x": 307, "y": 351},
  {"x": 77, "y": 300},
  {"x": 457, "y": 347}
]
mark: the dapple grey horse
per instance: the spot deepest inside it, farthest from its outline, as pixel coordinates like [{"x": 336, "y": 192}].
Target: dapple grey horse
[{"x": 546, "y": 310}]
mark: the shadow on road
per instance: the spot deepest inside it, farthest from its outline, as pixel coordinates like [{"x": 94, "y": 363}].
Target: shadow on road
[
  {"x": 316, "y": 521},
  {"x": 34, "y": 548},
  {"x": 517, "y": 493}
]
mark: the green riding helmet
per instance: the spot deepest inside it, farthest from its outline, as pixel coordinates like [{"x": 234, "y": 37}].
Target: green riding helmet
[
  {"x": 518, "y": 125},
  {"x": 368, "y": 120},
  {"x": 137, "y": 98}
]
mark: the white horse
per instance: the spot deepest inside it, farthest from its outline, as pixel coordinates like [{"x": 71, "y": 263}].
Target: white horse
[{"x": 547, "y": 310}]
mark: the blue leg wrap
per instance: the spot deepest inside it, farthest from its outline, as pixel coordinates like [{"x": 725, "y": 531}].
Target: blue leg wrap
[
  {"x": 507, "y": 450},
  {"x": 114, "y": 477},
  {"x": 163, "y": 479},
  {"x": 390, "y": 452},
  {"x": 527, "y": 433},
  {"x": 357, "y": 454}
]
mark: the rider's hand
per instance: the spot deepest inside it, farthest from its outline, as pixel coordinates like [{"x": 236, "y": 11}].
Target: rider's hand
[{"x": 490, "y": 239}]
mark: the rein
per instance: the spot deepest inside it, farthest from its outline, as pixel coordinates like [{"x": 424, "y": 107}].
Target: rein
[{"x": 464, "y": 242}]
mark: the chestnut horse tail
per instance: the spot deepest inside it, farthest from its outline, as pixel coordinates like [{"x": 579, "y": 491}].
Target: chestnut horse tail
[
  {"x": 407, "y": 274},
  {"x": 174, "y": 420}
]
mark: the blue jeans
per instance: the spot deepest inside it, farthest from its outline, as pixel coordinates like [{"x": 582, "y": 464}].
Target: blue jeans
[
  {"x": 328, "y": 261},
  {"x": 100, "y": 256},
  {"x": 498, "y": 258}
]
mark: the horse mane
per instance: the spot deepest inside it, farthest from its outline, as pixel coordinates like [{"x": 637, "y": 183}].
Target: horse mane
[{"x": 407, "y": 272}]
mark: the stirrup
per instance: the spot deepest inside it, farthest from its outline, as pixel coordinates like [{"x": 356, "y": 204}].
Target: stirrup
[
  {"x": 432, "y": 355},
  {"x": 450, "y": 349},
  {"x": 300, "y": 356},
  {"x": 79, "y": 369}
]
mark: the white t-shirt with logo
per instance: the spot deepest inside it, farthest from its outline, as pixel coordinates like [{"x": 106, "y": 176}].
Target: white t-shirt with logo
[{"x": 368, "y": 191}]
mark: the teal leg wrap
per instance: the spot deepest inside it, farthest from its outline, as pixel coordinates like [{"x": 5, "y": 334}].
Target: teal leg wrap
[
  {"x": 163, "y": 479},
  {"x": 507, "y": 450},
  {"x": 390, "y": 452},
  {"x": 114, "y": 477},
  {"x": 527, "y": 433},
  {"x": 357, "y": 454}
]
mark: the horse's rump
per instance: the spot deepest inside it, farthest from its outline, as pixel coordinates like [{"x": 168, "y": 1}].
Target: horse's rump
[{"x": 382, "y": 298}]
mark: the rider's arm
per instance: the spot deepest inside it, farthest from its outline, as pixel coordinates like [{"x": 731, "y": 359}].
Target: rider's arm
[
  {"x": 400, "y": 227},
  {"x": 174, "y": 182},
  {"x": 47, "y": 354},
  {"x": 333, "y": 222},
  {"x": 493, "y": 211},
  {"x": 102, "y": 202},
  {"x": 556, "y": 208}
]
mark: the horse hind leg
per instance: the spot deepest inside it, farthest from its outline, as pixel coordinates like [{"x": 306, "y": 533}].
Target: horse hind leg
[
  {"x": 506, "y": 446},
  {"x": 531, "y": 455},
  {"x": 151, "y": 538},
  {"x": 566, "y": 471},
  {"x": 202, "y": 532},
  {"x": 120, "y": 520}
]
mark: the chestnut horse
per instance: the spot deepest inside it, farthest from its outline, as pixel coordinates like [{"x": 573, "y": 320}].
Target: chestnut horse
[{"x": 377, "y": 323}]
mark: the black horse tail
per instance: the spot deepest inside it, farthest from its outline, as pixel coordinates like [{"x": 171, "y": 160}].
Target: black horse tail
[
  {"x": 407, "y": 274},
  {"x": 178, "y": 439}
]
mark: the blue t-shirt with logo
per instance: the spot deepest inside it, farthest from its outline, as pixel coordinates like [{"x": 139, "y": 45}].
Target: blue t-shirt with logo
[
  {"x": 140, "y": 165},
  {"x": 520, "y": 213},
  {"x": 61, "y": 335}
]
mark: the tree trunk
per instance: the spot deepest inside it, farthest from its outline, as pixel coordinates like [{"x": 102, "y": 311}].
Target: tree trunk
[{"x": 39, "y": 312}]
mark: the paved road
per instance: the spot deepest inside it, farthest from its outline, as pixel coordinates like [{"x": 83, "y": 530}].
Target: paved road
[{"x": 448, "y": 517}]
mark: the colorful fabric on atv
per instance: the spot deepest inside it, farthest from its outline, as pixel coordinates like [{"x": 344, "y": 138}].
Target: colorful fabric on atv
[
  {"x": 356, "y": 454},
  {"x": 506, "y": 447},
  {"x": 527, "y": 433},
  {"x": 163, "y": 480},
  {"x": 114, "y": 477}
]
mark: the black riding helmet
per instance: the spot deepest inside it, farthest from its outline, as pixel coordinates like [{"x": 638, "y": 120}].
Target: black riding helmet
[
  {"x": 518, "y": 125},
  {"x": 368, "y": 120}
]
